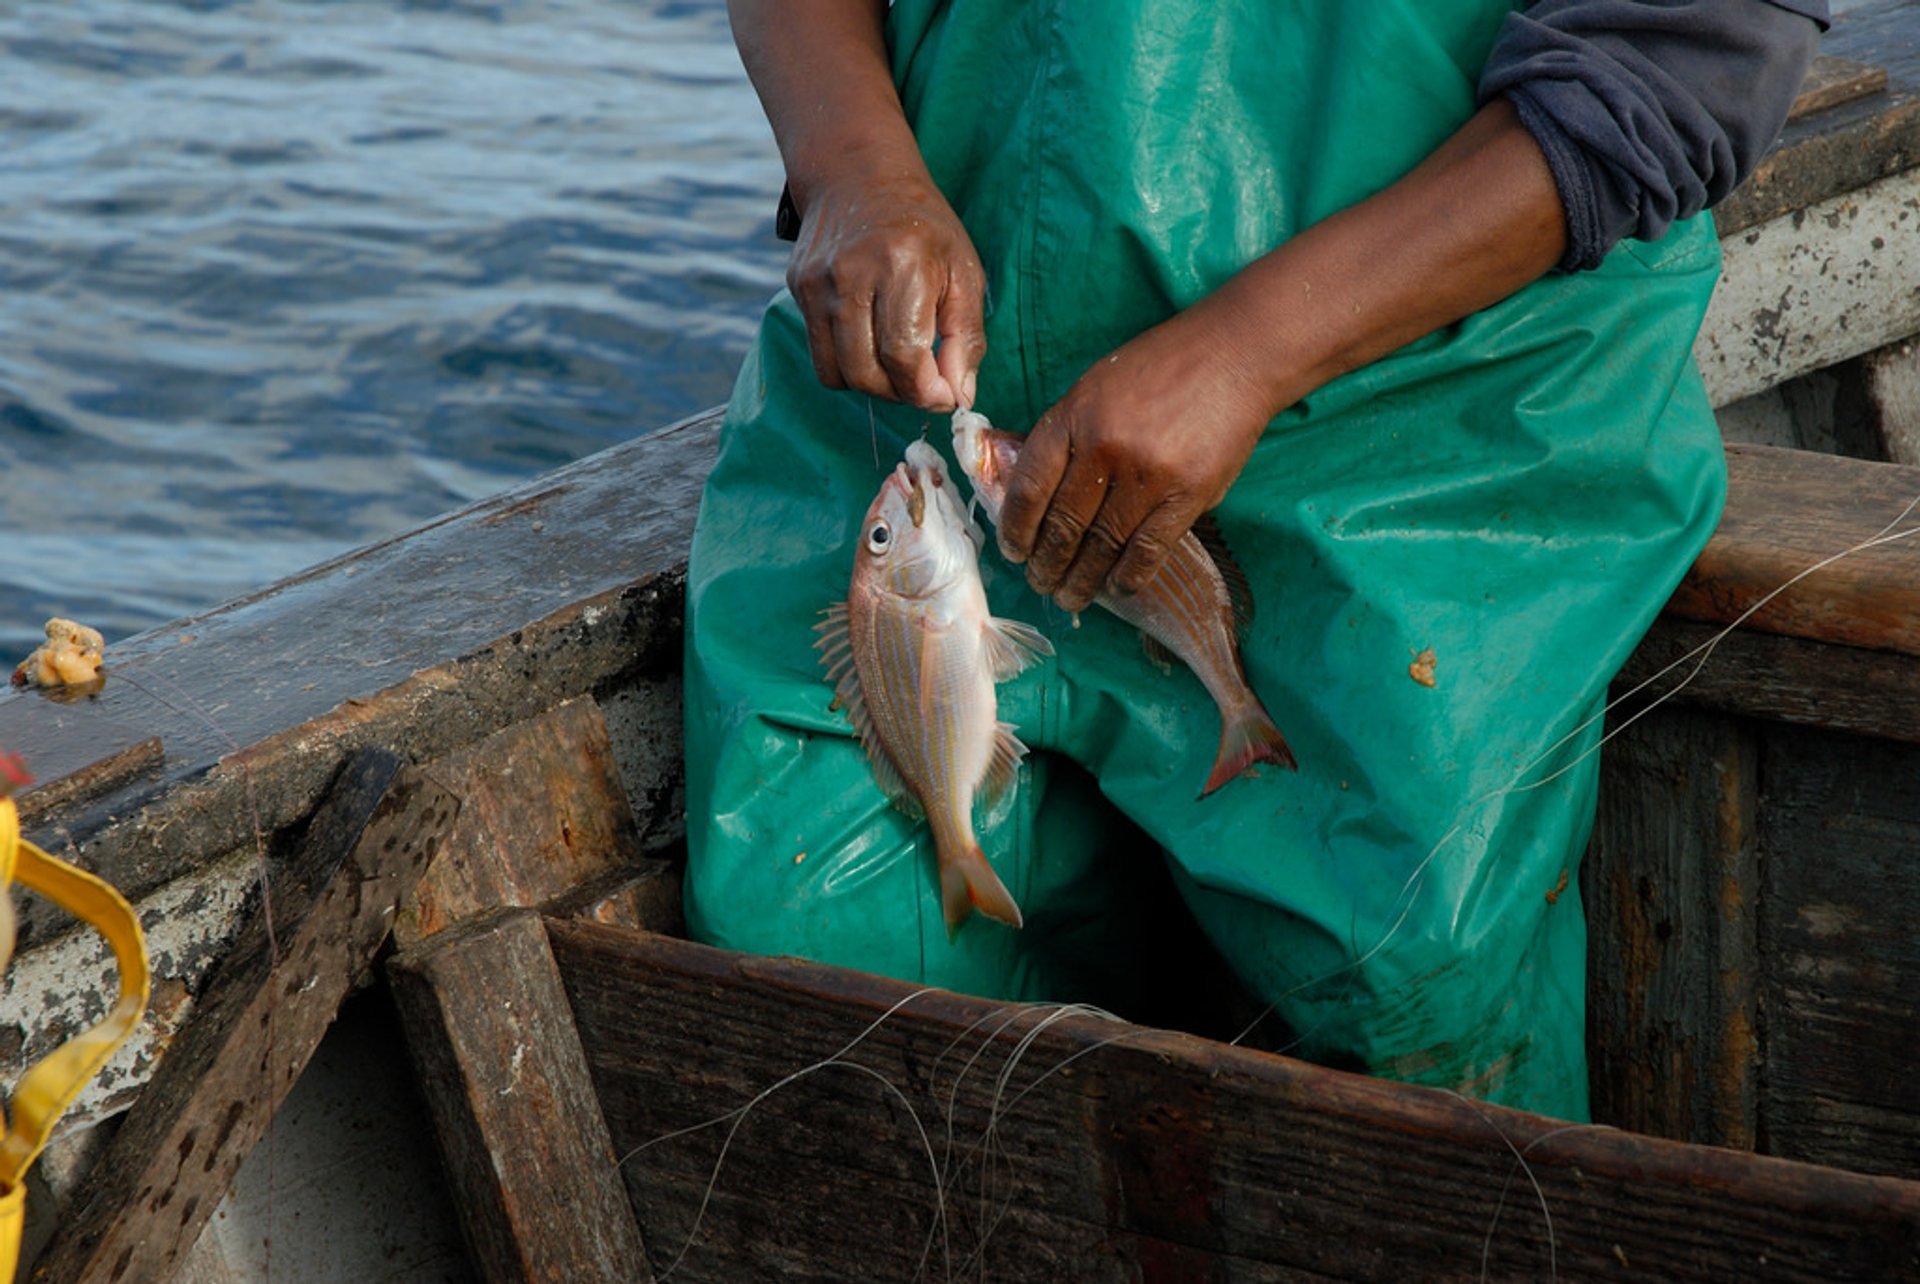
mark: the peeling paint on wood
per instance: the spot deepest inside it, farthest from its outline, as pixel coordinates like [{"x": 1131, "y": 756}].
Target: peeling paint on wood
[{"x": 1813, "y": 288}]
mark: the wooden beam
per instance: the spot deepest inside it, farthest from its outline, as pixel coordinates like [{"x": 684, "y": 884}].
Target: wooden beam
[
  {"x": 533, "y": 1169},
  {"x": 1788, "y": 510},
  {"x": 1094, "y": 1151},
  {"x": 542, "y": 812},
  {"x": 1779, "y": 679},
  {"x": 1670, "y": 884},
  {"x": 263, "y": 1013}
]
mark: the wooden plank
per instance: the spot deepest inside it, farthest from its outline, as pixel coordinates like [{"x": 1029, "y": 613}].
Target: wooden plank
[
  {"x": 1842, "y": 831},
  {"x": 1762, "y": 675},
  {"x": 1823, "y": 285},
  {"x": 74, "y": 749},
  {"x": 263, "y": 1012},
  {"x": 542, "y": 812},
  {"x": 1175, "y": 1156},
  {"x": 1891, "y": 379},
  {"x": 1787, "y": 510},
  {"x": 645, "y": 896},
  {"x": 431, "y": 639},
  {"x": 1849, "y": 145},
  {"x": 1832, "y": 81},
  {"x": 1673, "y": 964},
  {"x": 492, "y": 1037}
]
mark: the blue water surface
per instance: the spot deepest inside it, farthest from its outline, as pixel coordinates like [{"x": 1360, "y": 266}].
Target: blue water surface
[{"x": 278, "y": 279}]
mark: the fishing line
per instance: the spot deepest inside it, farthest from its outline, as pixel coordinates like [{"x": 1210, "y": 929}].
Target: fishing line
[{"x": 739, "y": 1116}]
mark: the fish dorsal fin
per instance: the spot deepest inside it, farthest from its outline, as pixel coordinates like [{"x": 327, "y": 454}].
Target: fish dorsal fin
[
  {"x": 1013, "y": 645},
  {"x": 1004, "y": 767},
  {"x": 836, "y": 654},
  {"x": 1239, "y": 592}
]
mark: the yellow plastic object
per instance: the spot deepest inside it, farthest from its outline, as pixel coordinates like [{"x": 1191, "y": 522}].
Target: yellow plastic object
[{"x": 49, "y": 1087}]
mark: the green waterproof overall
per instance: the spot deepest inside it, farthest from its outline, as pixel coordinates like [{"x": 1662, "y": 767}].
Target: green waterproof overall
[{"x": 1516, "y": 494}]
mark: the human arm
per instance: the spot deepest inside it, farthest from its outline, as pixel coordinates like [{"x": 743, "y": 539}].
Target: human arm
[
  {"x": 1151, "y": 437},
  {"x": 882, "y": 267},
  {"x": 1155, "y": 434}
]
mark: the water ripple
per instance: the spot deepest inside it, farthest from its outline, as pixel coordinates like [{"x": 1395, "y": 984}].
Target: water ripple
[{"x": 280, "y": 278}]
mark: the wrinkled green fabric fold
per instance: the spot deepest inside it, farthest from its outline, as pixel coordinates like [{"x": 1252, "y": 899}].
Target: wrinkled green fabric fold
[{"x": 1516, "y": 494}]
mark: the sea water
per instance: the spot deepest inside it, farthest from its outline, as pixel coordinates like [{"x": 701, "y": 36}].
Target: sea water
[{"x": 278, "y": 278}]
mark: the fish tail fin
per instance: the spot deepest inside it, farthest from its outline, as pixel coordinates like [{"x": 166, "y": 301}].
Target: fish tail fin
[
  {"x": 968, "y": 883},
  {"x": 1249, "y": 736}
]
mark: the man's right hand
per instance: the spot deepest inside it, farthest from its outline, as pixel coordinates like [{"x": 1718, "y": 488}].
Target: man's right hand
[{"x": 881, "y": 270}]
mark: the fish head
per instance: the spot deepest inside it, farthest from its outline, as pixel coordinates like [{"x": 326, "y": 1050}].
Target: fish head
[
  {"x": 916, "y": 538},
  {"x": 987, "y": 456}
]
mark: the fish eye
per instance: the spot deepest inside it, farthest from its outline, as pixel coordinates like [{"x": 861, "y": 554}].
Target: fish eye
[{"x": 879, "y": 537}]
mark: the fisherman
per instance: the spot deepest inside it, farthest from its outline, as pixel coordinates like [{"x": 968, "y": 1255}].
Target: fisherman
[{"x": 1404, "y": 293}]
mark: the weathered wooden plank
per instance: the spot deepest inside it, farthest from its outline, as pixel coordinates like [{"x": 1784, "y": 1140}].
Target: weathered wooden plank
[
  {"x": 1842, "y": 833},
  {"x": 1831, "y": 81},
  {"x": 330, "y": 905},
  {"x": 1168, "y": 1147},
  {"x": 1826, "y": 153},
  {"x": 1816, "y": 287},
  {"x": 1673, "y": 963},
  {"x": 1762, "y": 675},
  {"x": 645, "y": 895},
  {"x": 1787, "y": 510},
  {"x": 1892, "y": 395},
  {"x": 78, "y": 751},
  {"x": 431, "y": 639},
  {"x": 525, "y": 1146},
  {"x": 542, "y": 812}
]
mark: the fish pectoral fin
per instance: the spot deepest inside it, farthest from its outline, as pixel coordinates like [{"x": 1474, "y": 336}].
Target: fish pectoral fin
[
  {"x": 1012, "y": 645},
  {"x": 1004, "y": 767}
]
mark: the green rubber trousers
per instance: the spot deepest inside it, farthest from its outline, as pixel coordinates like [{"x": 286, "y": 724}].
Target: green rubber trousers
[{"x": 1516, "y": 495}]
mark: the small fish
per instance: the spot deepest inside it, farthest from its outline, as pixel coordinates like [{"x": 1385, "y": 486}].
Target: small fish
[
  {"x": 1192, "y": 610},
  {"x": 913, "y": 655}
]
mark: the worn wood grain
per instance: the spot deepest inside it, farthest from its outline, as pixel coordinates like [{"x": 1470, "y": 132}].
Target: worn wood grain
[
  {"x": 74, "y": 748},
  {"x": 1842, "y": 832},
  {"x": 331, "y": 904},
  {"x": 644, "y": 895},
  {"x": 1844, "y": 145},
  {"x": 520, "y": 1130},
  {"x": 542, "y": 812},
  {"x": 1831, "y": 81},
  {"x": 431, "y": 639},
  {"x": 1098, "y": 1150},
  {"x": 1763, "y": 675},
  {"x": 1788, "y": 510},
  {"x": 1670, "y": 884}
]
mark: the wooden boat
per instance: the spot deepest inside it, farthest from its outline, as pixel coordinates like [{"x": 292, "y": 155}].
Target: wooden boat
[
  {"x": 1753, "y": 974},
  {"x": 452, "y": 759}
]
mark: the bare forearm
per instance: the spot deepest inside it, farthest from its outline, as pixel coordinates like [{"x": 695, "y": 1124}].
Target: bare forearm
[
  {"x": 820, "y": 68},
  {"x": 1476, "y": 221}
]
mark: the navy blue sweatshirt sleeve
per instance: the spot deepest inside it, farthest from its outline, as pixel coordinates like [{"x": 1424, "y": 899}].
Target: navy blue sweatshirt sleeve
[{"x": 1650, "y": 110}]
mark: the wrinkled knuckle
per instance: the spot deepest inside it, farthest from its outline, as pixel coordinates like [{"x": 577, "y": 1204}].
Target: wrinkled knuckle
[
  {"x": 1103, "y": 541},
  {"x": 901, "y": 356},
  {"x": 1062, "y": 532}
]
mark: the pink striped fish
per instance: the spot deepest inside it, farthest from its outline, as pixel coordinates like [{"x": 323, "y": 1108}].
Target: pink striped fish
[
  {"x": 913, "y": 655},
  {"x": 1193, "y": 609}
]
